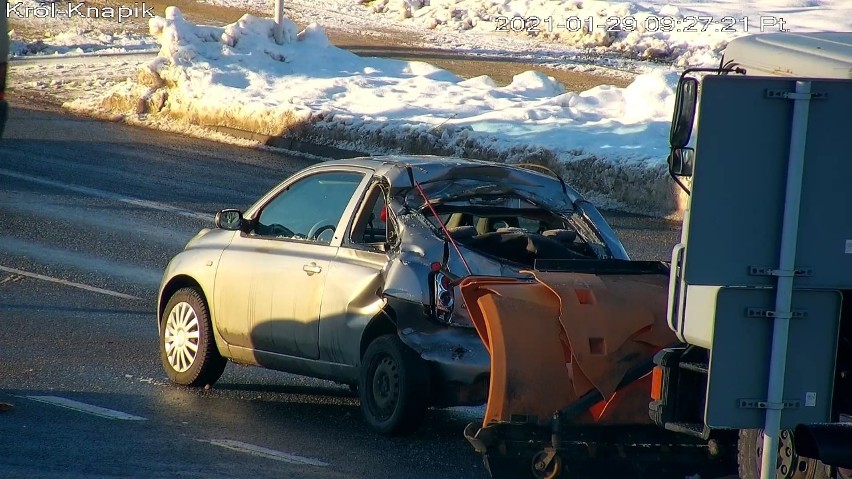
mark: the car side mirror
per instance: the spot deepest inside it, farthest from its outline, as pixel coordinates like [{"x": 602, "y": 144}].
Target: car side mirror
[
  {"x": 684, "y": 112},
  {"x": 681, "y": 162},
  {"x": 229, "y": 219}
]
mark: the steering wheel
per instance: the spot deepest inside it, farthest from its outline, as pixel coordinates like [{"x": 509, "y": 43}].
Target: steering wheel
[
  {"x": 320, "y": 228},
  {"x": 278, "y": 230}
]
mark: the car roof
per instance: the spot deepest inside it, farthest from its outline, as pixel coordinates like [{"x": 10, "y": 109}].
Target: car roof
[
  {"x": 383, "y": 162},
  {"x": 426, "y": 168}
]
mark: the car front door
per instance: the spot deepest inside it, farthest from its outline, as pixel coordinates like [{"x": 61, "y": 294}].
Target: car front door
[
  {"x": 269, "y": 283},
  {"x": 353, "y": 291}
]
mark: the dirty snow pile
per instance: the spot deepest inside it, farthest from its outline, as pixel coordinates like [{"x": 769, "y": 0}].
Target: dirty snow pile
[{"x": 238, "y": 76}]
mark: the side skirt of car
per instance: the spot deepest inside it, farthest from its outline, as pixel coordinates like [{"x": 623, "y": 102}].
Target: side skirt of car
[{"x": 342, "y": 373}]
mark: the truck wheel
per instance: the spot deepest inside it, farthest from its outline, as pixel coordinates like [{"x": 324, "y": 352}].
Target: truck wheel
[
  {"x": 187, "y": 347},
  {"x": 789, "y": 464},
  {"x": 545, "y": 466},
  {"x": 393, "y": 387}
]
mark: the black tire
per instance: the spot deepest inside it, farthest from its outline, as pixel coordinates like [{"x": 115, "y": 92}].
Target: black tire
[
  {"x": 186, "y": 324},
  {"x": 540, "y": 470},
  {"x": 789, "y": 465},
  {"x": 393, "y": 386}
]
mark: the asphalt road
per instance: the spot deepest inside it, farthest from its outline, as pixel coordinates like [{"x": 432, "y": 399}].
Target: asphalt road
[{"x": 90, "y": 213}]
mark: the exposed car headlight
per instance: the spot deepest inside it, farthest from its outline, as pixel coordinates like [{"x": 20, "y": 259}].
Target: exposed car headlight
[
  {"x": 444, "y": 297},
  {"x": 444, "y": 301}
]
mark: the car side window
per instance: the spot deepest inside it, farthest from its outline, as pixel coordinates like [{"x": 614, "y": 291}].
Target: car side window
[
  {"x": 310, "y": 208},
  {"x": 372, "y": 224}
]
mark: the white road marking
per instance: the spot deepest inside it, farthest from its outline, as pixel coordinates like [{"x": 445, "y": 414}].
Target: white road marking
[
  {"x": 154, "y": 205},
  {"x": 85, "y": 408},
  {"x": 68, "y": 283},
  {"x": 264, "y": 452}
]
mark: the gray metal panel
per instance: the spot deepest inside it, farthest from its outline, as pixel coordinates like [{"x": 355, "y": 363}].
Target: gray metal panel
[
  {"x": 739, "y": 359},
  {"x": 738, "y": 188},
  {"x": 815, "y": 55}
]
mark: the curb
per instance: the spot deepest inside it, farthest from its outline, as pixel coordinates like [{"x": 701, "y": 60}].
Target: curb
[{"x": 291, "y": 144}]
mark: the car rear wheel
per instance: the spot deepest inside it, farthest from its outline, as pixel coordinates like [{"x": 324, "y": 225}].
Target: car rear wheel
[
  {"x": 789, "y": 465},
  {"x": 187, "y": 347},
  {"x": 393, "y": 387}
]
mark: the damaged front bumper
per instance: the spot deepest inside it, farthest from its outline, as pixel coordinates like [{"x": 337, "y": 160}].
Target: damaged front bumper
[{"x": 458, "y": 361}]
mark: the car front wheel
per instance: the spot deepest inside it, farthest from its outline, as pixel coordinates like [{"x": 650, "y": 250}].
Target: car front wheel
[
  {"x": 393, "y": 387},
  {"x": 187, "y": 347}
]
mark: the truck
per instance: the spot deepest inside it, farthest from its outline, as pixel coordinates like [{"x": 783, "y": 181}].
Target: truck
[
  {"x": 760, "y": 291},
  {"x": 756, "y": 330}
]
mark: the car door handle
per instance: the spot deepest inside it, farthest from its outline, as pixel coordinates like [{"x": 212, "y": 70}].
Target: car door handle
[{"x": 311, "y": 268}]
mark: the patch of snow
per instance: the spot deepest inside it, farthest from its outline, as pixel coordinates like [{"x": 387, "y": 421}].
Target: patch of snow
[
  {"x": 686, "y": 33},
  {"x": 610, "y": 141},
  {"x": 75, "y": 42},
  {"x": 239, "y": 76}
]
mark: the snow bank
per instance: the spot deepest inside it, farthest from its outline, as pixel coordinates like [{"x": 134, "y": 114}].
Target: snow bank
[{"x": 610, "y": 142}]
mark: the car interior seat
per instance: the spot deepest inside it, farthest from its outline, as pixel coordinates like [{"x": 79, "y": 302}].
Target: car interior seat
[
  {"x": 491, "y": 224},
  {"x": 462, "y": 232}
]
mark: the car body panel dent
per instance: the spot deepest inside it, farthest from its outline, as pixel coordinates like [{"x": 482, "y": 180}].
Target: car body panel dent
[
  {"x": 351, "y": 300},
  {"x": 456, "y": 355},
  {"x": 409, "y": 266},
  {"x": 446, "y": 179}
]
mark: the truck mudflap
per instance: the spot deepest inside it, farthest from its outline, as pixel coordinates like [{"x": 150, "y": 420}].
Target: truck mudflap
[{"x": 571, "y": 356}]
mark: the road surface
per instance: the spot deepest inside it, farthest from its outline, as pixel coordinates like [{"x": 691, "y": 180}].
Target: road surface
[{"x": 90, "y": 213}]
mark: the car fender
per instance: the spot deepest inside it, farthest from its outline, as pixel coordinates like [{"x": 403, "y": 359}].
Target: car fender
[{"x": 195, "y": 266}]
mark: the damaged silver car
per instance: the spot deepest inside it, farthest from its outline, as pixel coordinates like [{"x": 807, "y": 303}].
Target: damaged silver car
[{"x": 349, "y": 271}]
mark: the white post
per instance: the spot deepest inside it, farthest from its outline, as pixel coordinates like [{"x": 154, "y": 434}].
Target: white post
[
  {"x": 786, "y": 275},
  {"x": 278, "y": 15}
]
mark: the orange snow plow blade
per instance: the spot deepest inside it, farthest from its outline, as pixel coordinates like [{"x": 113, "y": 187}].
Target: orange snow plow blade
[
  {"x": 500, "y": 310},
  {"x": 559, "y": 336}
]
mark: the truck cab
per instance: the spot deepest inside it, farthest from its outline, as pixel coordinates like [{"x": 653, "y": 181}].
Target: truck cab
[{"x": 760, "y": 292}]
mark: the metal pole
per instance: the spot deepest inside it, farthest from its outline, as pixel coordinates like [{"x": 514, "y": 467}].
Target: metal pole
[
  {"x": 278, "y": 15},
  {"x": 786, "y": 274}
]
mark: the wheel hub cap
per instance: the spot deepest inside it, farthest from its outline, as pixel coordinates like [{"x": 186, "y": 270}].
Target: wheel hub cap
[
  {"x": 181, "y": 337},
  {"x": 385, "y": 387}
]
